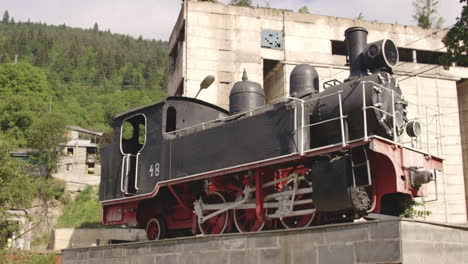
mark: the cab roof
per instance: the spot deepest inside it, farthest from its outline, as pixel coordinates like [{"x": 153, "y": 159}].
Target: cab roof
[{"x": 170, "y": 98}]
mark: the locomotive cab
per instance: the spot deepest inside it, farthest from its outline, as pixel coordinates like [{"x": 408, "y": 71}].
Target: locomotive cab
[{"x": 138, "y": 156}]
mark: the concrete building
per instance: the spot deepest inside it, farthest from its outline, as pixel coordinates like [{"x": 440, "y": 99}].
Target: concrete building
[
  {"x": 80, "y": 166},
  {"x": 22, "y": 239},
  {"x": 222, "y": 40}
]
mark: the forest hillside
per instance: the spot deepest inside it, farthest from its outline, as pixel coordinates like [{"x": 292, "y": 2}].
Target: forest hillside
[
  {"x": 83, "y": 75},
  {"x": 53, "y": 76}
]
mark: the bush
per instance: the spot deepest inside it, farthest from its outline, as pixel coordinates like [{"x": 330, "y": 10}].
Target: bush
[
  {"x": 49, "y": 188},
  {"x": 20, "y": 256},
  {"x": 411, "y": 211},
  {"x": 84, "y": 212}
]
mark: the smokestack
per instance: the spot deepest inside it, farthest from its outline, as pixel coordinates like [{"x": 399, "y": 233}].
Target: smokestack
[{"x": 356, "y": 42}]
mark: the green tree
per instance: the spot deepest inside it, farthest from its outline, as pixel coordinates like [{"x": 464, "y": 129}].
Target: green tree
[
  {"x": 96, "y": 28},
  {"x": 303, "y": 10},
  {"x": 82, "y": 71},
  {"x": 360, "y": 16},
  {"x": 23, "y": 79},
  {"x": 18, "y": 113},
  {"x": 241, "y": 2},
  {"x": 16, "y": 188},
  {"x": 425, "y": 13},
  {"x": 456, "y": 40},
  {"x": 6, "y": 17},
  {"x": 45, "y": 134}
]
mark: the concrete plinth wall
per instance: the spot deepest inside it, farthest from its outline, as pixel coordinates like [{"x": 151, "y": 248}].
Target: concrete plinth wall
[
  {"x": 86, "y": 237},
  {"x": 393, "y": 241}
]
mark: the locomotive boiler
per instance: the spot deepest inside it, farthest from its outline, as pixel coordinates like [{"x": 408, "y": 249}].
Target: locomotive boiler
[{"x": 182, "y": 166}]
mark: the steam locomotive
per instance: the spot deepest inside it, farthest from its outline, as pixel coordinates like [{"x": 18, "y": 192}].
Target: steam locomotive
[{"x": 182, "y": 165}]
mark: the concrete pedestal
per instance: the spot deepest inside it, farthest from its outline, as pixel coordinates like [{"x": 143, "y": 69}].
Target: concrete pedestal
[{"x": 390, "y": 241}]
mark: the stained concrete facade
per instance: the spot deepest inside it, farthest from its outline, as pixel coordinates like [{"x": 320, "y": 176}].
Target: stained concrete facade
[
  {"x": 222, "y": 40},
  {"x": 394, "y": 241},
  {"x": 79, "y": 166}
]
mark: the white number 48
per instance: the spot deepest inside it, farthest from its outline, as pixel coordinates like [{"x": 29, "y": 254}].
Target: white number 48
[{"x": 154, "y": 170}]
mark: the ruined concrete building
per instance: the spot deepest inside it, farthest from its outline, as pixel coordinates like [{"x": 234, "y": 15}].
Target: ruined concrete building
[{"x": 80, "y": 166}]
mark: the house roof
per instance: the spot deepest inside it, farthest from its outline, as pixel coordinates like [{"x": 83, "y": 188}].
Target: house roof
[{"x": 83, "y": 130}]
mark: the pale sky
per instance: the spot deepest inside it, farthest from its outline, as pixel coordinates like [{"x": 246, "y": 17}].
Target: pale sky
[{"x": 154, "y": 19}]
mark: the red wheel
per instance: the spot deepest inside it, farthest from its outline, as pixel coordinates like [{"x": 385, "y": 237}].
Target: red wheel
[
  {"x": 217, "y": 224},
  {"x": 155, "y": 229},
  {"x": 299, "y": 220},
  {"x": 246, "y": 220}
]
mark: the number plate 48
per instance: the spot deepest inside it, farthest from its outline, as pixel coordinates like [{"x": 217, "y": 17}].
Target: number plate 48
[{"x": 154, "y": 170}]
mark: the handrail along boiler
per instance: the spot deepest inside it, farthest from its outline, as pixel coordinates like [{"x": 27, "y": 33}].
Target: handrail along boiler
[{"x": 182, "y": 165}]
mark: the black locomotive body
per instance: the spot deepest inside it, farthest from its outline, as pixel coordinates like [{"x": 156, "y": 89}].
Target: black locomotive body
[{"x": 314, "y": 157}]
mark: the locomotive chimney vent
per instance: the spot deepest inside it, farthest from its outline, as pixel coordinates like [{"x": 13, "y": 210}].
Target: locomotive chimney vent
[{"x": 356, "y": 42}]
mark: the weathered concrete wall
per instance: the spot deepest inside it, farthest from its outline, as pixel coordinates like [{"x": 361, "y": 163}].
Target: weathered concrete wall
[
  {"x": 86, "y": 237},
  {"x": 364, "y": 242},
  {"x": 462, "y": 91},
  {"x": 426, "y": 244},
  {"x": 72, "y": 168},
  {"x": 222, "y": 40}
]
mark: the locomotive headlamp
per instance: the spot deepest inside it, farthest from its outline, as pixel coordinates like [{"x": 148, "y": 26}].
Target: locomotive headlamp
[
  {"x": 205, "y": 83},
  {"x": 413, "y": 128},
  {"x": 381, "y": 55}
]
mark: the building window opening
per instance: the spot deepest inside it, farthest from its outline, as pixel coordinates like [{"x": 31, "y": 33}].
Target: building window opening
[
  {"x": 70, "y": 151},
  {"x": 91, "y": 154},
  {"x": 338, "y": 48},
  {"x": 273, "y": 80},
  {"x": 171, "y": 119},
  {"x": 90, "y": 168},
  {"x": 406, "y": 54},
  {"x": 429, "y": 57}
]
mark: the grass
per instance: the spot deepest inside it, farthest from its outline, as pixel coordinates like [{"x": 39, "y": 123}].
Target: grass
[
  {"x": 42, "y": 241},
  {"x": 22, "y": 256},
  {"x": 84, "y": 212}
]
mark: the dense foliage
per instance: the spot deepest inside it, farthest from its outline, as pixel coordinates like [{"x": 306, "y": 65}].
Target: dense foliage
[
  {"x": 456, "y": 40},
  {"x": 241, "y": 2},
  {"x": 16, "y": 188},
  {"x": 88, "y": 75},
  {"x": 303, "y": 10},
  {"x": 53, "y": 76}
]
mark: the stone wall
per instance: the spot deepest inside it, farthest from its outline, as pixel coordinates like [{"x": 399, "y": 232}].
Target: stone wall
[{"x": 392, "y": 241}]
